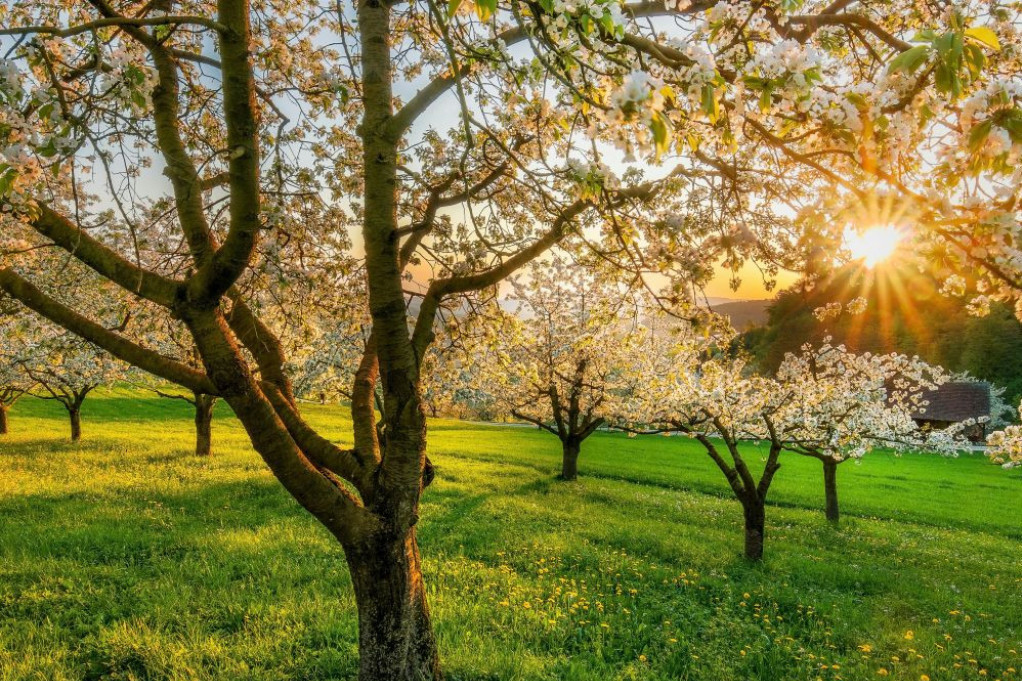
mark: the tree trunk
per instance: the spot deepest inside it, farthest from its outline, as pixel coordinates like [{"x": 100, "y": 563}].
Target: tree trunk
[
  {"x": 396, "y": 641},
  {"x": 755, "y": 524},
  {"x": 830, "y": 489},
  {"x": 204, "y": 424},
  {"x": 75, "y": 413},
  {"x": 3, "y": 420},
  {"x": 569, "y": 462}
]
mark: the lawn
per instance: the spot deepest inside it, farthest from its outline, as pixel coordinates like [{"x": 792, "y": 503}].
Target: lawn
[{"x": 127, "y": 558}]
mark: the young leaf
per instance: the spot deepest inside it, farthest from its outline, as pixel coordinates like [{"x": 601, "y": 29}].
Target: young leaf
[
  {"x": 910, "y": 60},
  {"x": 983, "y": 35}
]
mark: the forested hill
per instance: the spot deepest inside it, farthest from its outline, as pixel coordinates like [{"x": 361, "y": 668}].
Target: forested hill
[{"x": 906, "y": 313}]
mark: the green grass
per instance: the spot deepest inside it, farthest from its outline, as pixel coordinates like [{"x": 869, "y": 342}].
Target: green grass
[{"x": 126, "y": 558}]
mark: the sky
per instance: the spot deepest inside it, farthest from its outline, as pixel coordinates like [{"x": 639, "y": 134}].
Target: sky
[{"x": 751, "y": 288}]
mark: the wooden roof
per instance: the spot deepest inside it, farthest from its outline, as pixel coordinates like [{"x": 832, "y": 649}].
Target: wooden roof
[{"x": 956, "y": 401}]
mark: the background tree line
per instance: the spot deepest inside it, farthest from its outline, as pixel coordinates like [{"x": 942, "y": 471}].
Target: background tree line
[{"x": 905, "y": 313}]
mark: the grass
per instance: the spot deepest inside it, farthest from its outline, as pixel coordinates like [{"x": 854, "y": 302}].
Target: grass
[{"x": 127, "y": 558}]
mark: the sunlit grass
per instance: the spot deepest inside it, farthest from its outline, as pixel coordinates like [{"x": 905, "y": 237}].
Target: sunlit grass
[{"x": 127, "y": 558}]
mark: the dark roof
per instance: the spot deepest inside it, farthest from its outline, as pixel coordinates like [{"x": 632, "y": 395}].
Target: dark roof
[{"x": 956, "y": 401}]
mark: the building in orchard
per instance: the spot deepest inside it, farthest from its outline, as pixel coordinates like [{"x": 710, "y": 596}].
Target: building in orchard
[{"x": 955, "y": 402}]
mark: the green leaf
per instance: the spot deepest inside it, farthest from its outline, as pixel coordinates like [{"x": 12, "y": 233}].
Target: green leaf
[
  {"x": 975, "y": 60},
  {"x": 485, "y": 9},
  {"x": 661, "y": 133},
  {"x": 710, "y": 104},
  {"x": 910, "y": 60},
  {"x": 979, "y": 134},
  {"x": 983, "y": 35},
  {"x": 1012, "y": 122},
  {"x": 7, "y": 180},
  {"x": 452, "y": 7}
]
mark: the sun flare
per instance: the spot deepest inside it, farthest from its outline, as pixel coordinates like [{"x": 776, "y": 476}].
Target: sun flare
[{"x": 874, "y": 245}]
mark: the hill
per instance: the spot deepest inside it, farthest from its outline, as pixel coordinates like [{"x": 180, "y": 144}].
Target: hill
[{"x": 744, "y": 314}]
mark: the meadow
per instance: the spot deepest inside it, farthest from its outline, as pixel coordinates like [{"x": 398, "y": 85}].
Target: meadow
[{"x": 125, "y": 557}]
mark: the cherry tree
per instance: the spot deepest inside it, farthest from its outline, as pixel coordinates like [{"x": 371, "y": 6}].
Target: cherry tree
[
  {"x": 14, "y": 382},
  {"x": 258, "y": 114},
  {"x": 837, "y": 406},
  {"x": 825, "y": 403},
  {"x": 711, "y": 397},
  {"x": 66, "y": 369},
  {"x": 257, "y": 121},
  {"x": 561, "y": 352}
]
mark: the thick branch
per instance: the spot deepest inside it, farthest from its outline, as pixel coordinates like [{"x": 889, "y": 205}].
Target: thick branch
[
  {"x": 103, "y": 260},
  {"x": 114, "y": 343}
]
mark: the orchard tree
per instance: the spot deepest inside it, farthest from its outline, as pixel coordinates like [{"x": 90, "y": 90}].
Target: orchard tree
[
  {"x": 256, "y": 117},
  {"x": 258, "y": 114},
  {"x": 836, "y": 406},
  {"x": 560, "y": 352},
  {"x": 14, "y": 382},
  {"x": 698, "y": 390},
  {"x": 66, "y": 369}
]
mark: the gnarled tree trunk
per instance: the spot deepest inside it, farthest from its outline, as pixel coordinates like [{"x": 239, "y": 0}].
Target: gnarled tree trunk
[
  {"x": 830, "y": 489},
  {"x": 204, "y": 424},
  {"x": 396, "y": 641},
  {"x": 4, "y": 428},
  {"x": 569, "y": 460}
]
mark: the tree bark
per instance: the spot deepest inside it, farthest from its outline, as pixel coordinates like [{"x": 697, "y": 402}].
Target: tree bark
[
  {"x": 569, "y": 461},
  {"x": 396, "y": 641},
  {"x": 75, "y": 414},
  {"x": 204, "y": 424},
  {"x": 755, "y": 526},
  {"x": 4, "y": 429},
  {"x": 830, "y": 489}
]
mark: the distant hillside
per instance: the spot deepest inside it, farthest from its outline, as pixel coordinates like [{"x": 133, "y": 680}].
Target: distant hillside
[{"x": 745, "y": 314}]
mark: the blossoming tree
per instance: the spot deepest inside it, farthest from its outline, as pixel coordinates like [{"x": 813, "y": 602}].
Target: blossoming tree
[
  {"x": 14, "y": 382},
  {"x": 560, "y": 353},
  {"x": 837, "y": 406},
  {"x": 713, "y": 399},
  {"x": 66, "y": 369}
]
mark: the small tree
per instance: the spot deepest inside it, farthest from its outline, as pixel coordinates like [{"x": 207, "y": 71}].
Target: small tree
[
  {"x": 14, "y": 383},
  {"x": 557, "y": 360},
  {"x": 837, "y": 406},
  {"x": 713, "y": 400},
  {"x": 203, "y": 406},
  {"x": 67, "y": 369}
]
